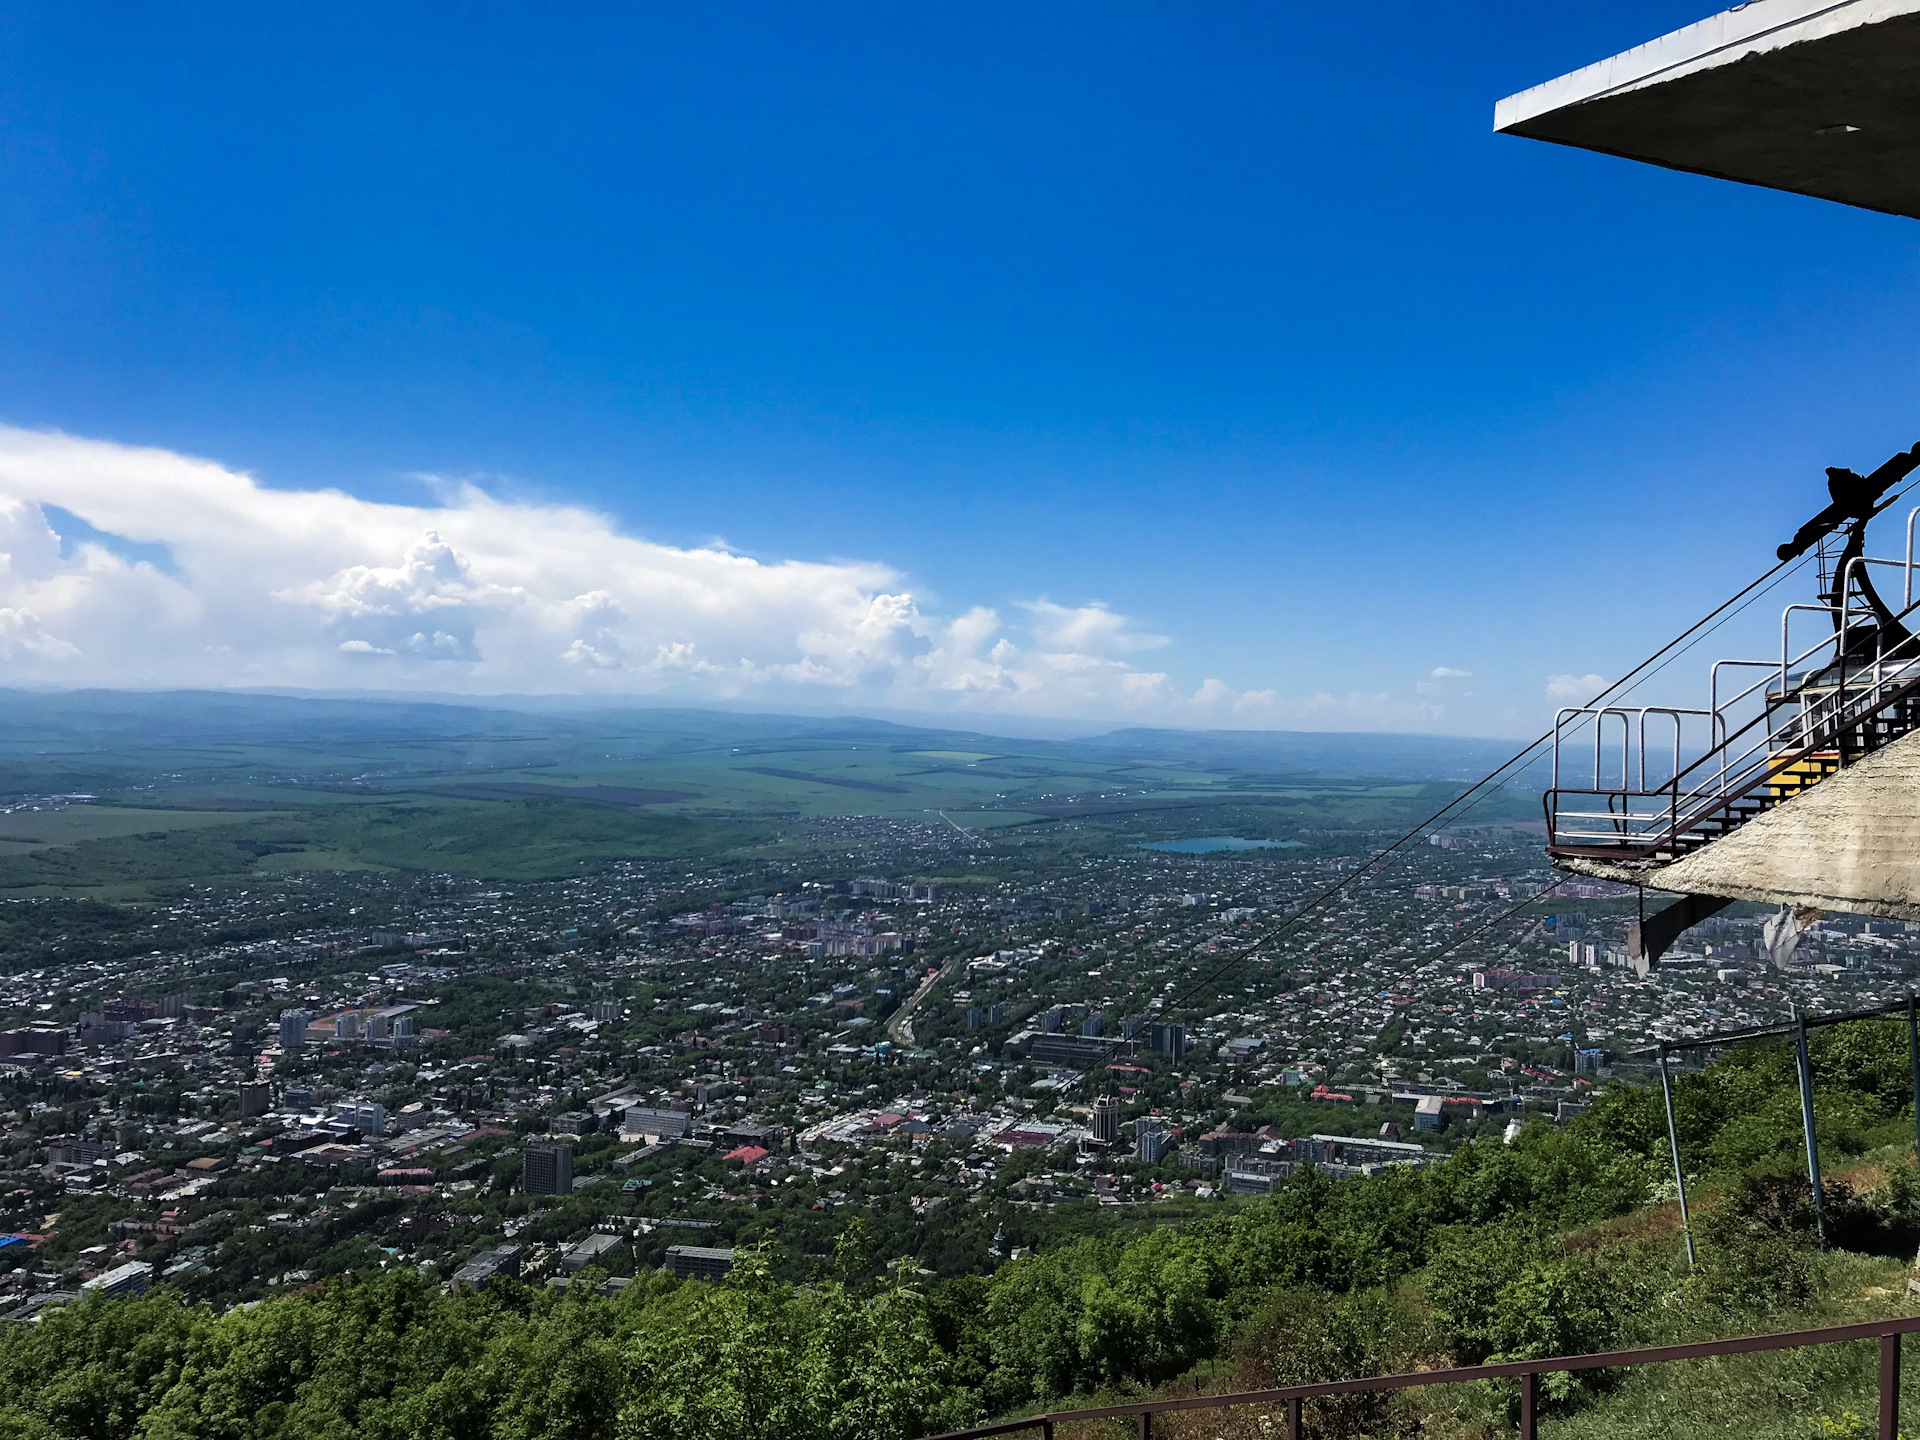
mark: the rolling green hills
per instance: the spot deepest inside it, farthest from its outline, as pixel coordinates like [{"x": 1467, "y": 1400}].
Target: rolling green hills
[{"x": 114, "y": 794}]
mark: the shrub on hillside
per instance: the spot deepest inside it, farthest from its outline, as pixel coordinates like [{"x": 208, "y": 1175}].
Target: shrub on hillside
[
  {"x": 1756, "y": 1244},
  {"x": 1299, "y": 1337}
]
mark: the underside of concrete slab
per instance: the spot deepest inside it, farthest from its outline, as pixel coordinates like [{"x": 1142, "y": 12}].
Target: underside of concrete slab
[
  {"x": 1850, "y": 843},
  {"x": 1812, "y": 96}
]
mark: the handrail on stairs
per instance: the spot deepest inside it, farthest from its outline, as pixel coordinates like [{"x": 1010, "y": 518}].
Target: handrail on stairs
[{"x": 1825, "y": 716}]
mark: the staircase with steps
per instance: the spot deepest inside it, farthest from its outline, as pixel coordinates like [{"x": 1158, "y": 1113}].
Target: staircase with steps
[{"x": 1852, "y": 693}]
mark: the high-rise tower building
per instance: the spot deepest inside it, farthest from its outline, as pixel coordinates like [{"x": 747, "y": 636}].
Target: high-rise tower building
[
  {"x": 1106, "y": 1120},
  {"x": 547, "y": 1169}
]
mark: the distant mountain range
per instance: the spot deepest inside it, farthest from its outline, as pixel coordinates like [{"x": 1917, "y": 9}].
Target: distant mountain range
[{"x": 55, "y": 739}]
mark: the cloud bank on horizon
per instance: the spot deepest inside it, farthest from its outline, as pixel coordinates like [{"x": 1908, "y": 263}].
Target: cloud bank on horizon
[{"x": 133, "y": 567}]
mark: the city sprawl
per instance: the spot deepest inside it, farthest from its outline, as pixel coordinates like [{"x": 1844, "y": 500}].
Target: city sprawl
[{"x": 974, "y": 1042}]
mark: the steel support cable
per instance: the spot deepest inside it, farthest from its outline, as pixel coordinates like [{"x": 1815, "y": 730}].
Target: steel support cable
[
  {"x": 1624, "y": 688},
  {"x": 1495, "y": 780},
  {"x": 1514, "y": 764},
  {"x": 1786, "y": 570},
  {"x": 1504, "y": 780},
  {"x": 1629, "y": 685},
  {"x": 1436, "y": 958},
  {"x": 1493, "y": 789},
  {"x": 1404, "y": 975}
]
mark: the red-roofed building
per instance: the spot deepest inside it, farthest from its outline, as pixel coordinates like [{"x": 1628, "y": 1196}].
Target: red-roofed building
[
  {"x": 1030, "y": 1135},
  {"x": 747, "y": 1155}
]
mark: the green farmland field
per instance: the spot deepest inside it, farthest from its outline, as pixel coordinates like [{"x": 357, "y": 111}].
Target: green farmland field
[{"x": 196, "y": 786}]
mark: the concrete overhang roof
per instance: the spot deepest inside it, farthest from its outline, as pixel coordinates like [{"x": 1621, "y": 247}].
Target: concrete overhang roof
[{"x": 1820, "y": 97}]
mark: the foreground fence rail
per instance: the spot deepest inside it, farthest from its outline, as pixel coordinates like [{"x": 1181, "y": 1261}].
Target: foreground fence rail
[{"x": 1527, "y": 1372}]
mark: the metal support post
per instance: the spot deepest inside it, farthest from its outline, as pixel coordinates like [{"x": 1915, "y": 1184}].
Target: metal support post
[
  {"x": 1296, "y": 1421},
  {"x": 1806, "y": 1116},
  {"x": 1913, "y": 1057},
  {"x": 1890, "y": 1387},
  {"x": 1530, "y": 1405},
  {"x": 1673, "y": 1139},
  {"x": 1146, "y": 1426}
]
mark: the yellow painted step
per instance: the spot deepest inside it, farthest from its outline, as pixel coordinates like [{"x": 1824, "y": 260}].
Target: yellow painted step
[{"x": 1798, "y": 776}]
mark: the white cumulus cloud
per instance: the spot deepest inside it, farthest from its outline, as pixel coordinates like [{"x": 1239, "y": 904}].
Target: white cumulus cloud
[
  {"x": 132, "y": 567},
  {"x": 1093, "y": 629},
  {"x": 184, "y": 572},
  {"x": 1574, "y": 687}
]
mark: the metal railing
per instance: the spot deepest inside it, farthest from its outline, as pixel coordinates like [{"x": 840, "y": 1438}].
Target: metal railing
[
  {"x": 1527, "y": 1372},
  {"x": 1824, "y": 724},
  {"x": 1813, "y": 712}
]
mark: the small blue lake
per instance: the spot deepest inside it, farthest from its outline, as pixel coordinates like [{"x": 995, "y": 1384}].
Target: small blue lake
[{"x": 1219, "y": 842}]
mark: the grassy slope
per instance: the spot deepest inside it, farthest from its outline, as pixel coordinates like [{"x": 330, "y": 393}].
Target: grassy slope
[
  {"x": 25, "y": 831},
  {"x": 485, "y": 840},
  {"x": 1786, "y": 1395},
  {"x": 1624, "y": 1282}
]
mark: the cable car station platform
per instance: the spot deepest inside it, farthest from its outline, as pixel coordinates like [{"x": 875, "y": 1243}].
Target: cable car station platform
[{"x": 1796, "y": 781}]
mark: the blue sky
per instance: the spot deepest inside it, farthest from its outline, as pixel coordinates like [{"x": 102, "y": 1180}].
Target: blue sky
[{"x": 1220, "y": 343}]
